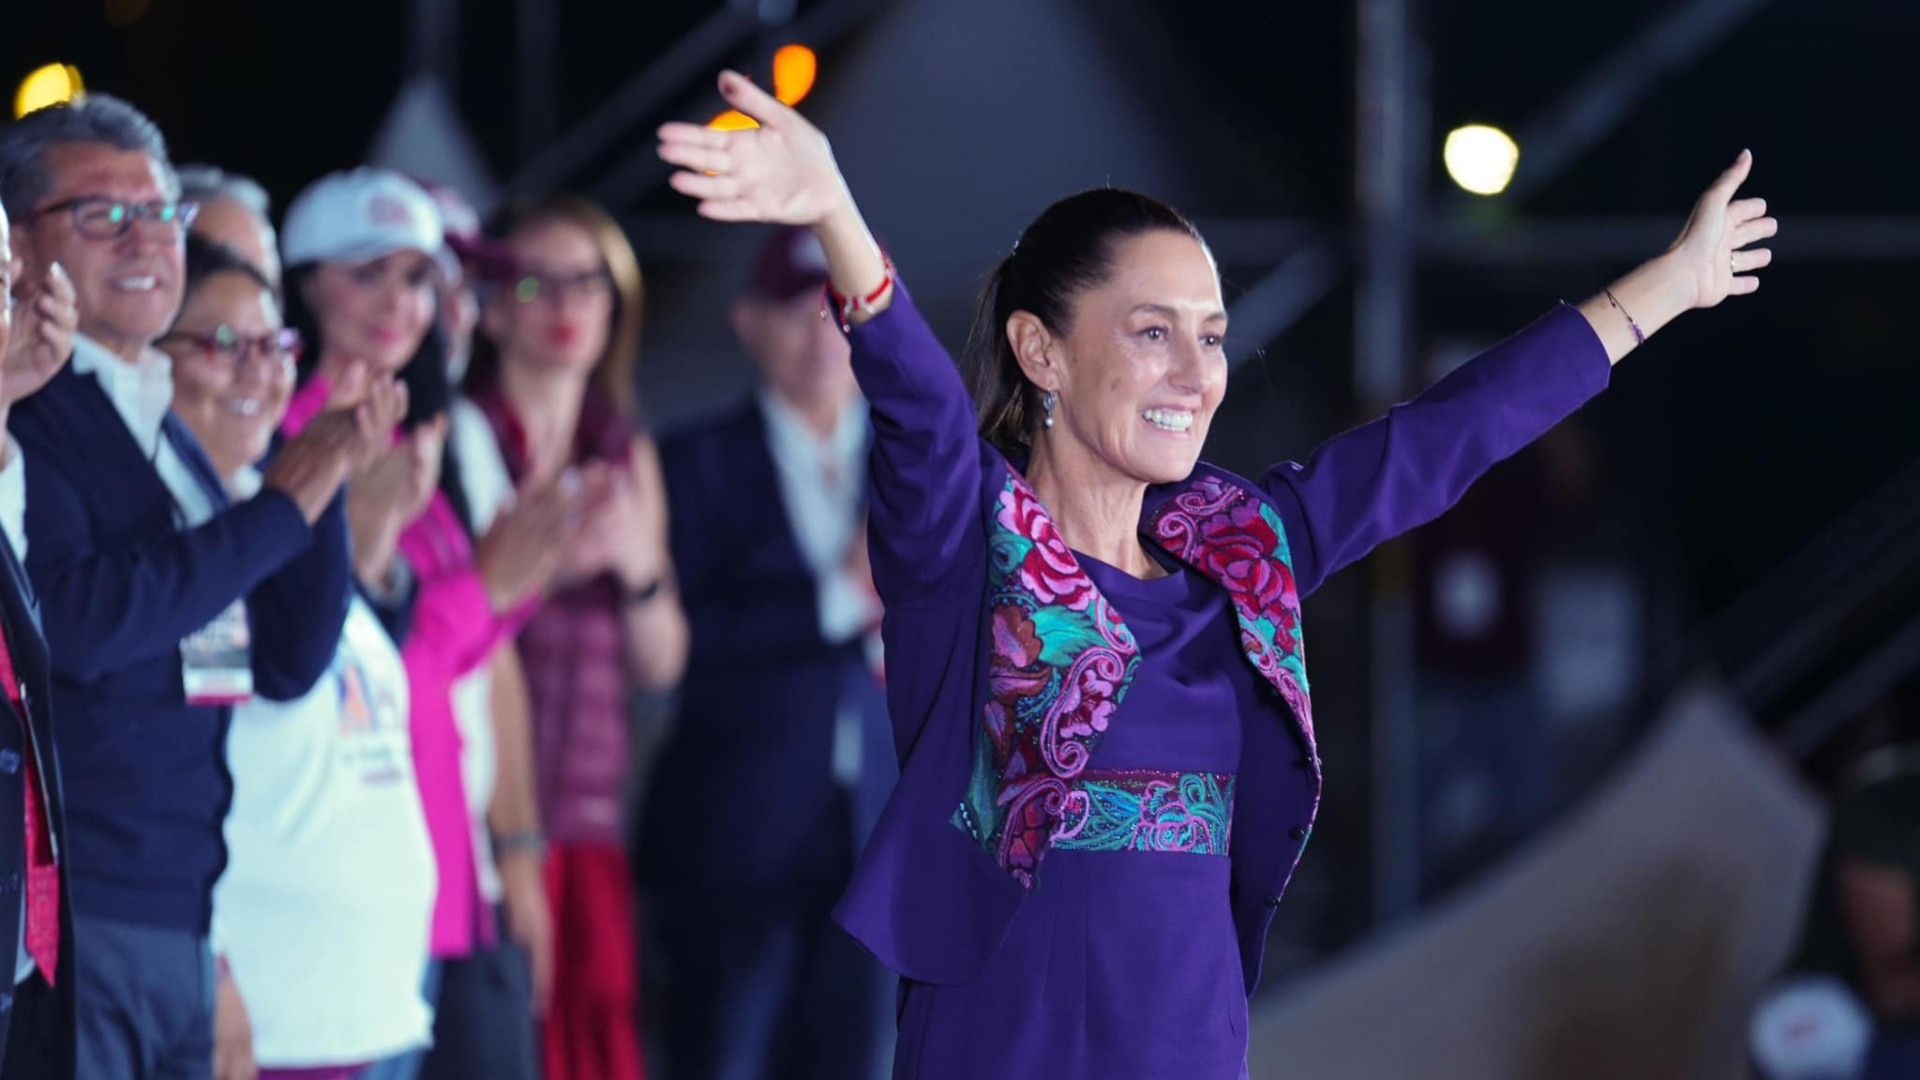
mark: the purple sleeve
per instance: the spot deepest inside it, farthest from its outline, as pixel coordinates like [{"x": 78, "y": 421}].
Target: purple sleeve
[
  {"x": 1371, "y": 484},
  {"x": 924, "y": 491}
]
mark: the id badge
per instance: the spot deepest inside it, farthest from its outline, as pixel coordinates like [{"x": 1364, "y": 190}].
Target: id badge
[{"x": 215, "y": 668}]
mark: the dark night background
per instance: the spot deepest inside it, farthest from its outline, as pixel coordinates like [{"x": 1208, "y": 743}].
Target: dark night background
[{"x": 1720, "y": 453}]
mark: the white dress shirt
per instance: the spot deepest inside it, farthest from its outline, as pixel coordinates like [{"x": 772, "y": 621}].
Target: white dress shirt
[
  {"x": 142, "y": 392},
  {"x": 822, "y": 481}
]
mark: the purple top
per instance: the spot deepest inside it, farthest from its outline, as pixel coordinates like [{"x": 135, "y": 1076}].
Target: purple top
[
  {"x": 926, "y": 899},
  {"x": 1191, "y": 674},
  {"x": 1121, "y": 963}
]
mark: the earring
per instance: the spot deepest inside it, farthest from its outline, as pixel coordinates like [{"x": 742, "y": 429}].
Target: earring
[{"x": 1047, "y": 401}]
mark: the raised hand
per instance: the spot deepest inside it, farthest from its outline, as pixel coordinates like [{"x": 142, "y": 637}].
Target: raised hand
[
  {"x": 1714, "y": 248},
  {"x": 782, "y": 172},
  {"x": 1712, "y": 259},
  {"x": 42, "y": 339}
]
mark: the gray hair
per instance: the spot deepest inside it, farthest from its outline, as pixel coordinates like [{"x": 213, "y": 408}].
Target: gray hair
[
  {"x": 94, "y": 118},
  {"x": 210, "y": 183}
]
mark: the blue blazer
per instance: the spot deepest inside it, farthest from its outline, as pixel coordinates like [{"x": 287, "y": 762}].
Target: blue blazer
[
  {"x": 120, "y": 584},
  {"x": 744, "y": 794},
  {"x": 19, "y": 621}
]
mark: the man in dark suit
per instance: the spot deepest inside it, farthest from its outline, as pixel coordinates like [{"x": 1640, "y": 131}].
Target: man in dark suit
[
  {"x": 163, "y": 602},
  {"x": 782, "y": 756},
  {"x": 36, "y": 1009}
]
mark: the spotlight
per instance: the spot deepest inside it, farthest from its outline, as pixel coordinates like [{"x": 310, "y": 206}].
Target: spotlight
[
  {"x": 795, "y": 69},
  {"x": 1480, "y": 158},
  {"x": 51, "y": 84}
]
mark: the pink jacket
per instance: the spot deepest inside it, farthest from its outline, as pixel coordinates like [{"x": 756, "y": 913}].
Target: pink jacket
[{"x": 455, "y": 631}]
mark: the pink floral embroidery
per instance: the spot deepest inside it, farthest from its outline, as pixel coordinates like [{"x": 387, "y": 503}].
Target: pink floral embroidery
[
  {"x": 1049, "y": 573},
  {"x": 1236, "y": 539},
  {"x": 1061, "y": 658},
  {"x": 1061, "y": 661}
]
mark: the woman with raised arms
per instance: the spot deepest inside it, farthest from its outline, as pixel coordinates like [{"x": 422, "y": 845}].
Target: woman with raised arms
[{"x": 1094, "y": 653}]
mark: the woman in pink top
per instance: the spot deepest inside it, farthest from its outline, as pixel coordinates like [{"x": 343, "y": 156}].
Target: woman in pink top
[
  {"x": 361, "y": 284},
  {"x": 557, "y": 386}
]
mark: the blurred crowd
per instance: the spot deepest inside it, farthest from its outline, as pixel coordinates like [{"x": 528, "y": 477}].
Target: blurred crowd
[{"x": 336, "y": 551}]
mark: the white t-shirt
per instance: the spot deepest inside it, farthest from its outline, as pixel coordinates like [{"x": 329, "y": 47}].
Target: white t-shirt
[
  {"x": 325, "y": 909},
  {"x": 488, "y": 488}
]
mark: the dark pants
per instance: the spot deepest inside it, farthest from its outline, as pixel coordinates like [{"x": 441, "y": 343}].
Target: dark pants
[
  {"x": 36, "y": 1038},
  {"x": 768, "y": 988},
  {"x": 483, "y": 1025},
  {"x": 145, "y": 1002}
]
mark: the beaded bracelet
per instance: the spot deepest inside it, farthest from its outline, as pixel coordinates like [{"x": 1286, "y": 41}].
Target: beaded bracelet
[
  {"x": 847, "y": 305},
  {"x": 1638, "y": 337}
]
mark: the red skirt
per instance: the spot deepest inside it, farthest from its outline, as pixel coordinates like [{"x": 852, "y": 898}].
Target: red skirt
[{"x": 592, "y": 1026}]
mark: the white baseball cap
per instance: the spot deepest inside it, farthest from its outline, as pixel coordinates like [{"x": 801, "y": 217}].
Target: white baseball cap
[
  {"x": 357, "y": 216},
  {"x": 1810, "y": 1028}
]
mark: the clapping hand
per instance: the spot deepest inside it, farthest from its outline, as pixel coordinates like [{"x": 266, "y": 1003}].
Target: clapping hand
[
  {"x": 522, "y": 550},
  {"x": 389, "y": 494},
  {"x": 45, "y": 319},
  {"x": 339, "y": 443}
]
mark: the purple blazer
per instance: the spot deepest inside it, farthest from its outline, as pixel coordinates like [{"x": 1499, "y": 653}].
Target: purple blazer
[{"x": 934, "y": 891}]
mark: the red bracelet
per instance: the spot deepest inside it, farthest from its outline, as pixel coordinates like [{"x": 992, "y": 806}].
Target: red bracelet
[{"x": 847, "y": 305}]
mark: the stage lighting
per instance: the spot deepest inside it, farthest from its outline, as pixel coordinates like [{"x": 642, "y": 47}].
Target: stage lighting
[
  {"x": 733, "y": 120},
  {"x": 1480, "y": 158},
  {"x": 795, "y": 67},
  {"x": 52, "y": 84}
]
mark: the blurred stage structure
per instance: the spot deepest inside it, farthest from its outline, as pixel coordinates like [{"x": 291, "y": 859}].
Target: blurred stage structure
[{"x": 1630, "y": 940}]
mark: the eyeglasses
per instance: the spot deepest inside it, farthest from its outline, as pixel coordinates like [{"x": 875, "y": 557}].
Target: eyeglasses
[
  {"x": 230, "y": 347},
  {"x": 531, "y": 287},
  {"x": 99, "y": 218}
]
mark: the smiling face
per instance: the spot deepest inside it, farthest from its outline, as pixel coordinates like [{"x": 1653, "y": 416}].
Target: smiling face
[
  {"x": 229, "y": 386},
  {"x": 128, "y": 287},
  {"x": 1140, "y": 366},
  {"x": 377, "y": 311}
]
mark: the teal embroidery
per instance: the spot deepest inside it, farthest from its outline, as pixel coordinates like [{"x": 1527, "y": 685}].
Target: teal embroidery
[
  {"x": 1061, "y": 660},
  {"x": 1144, "y": 810}
]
